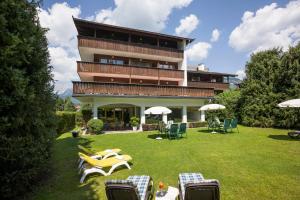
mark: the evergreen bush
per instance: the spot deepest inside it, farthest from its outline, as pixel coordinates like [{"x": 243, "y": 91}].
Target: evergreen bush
[
  {"x": 27, "y": 111},
  {"x": 95, "y": 126},
  {"x": 66, "y": 121}
]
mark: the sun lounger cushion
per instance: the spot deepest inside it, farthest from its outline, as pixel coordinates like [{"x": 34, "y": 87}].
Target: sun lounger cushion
[
  {"x": 185, "y": 178},
  {"x": 142, "y": 183},
  {"x": 107, "y": 162}
]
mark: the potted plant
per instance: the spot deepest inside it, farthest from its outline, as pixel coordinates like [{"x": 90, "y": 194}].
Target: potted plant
[
  {"x": 134, "y": 122},
  {"x": 75, "y": 134}
]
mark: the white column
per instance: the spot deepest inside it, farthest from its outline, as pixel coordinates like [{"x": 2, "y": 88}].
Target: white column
[
  {"x": 143, "y": 118},
  {"x": 165, "y": 118},
  {"x": 184, "y": 114},
  {"x": 202, "y": 118},
  {"x": 95, "y": 111},
  {"x": 183, "y": 65}
]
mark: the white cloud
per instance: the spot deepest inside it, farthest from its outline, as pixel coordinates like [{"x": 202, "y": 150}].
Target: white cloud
[
  {"x": 147, "y": 14},
  {"x": 187, "y": 25},
  {"x": 241, "y": 74},
  {"x": 271, "y": 26},
  {"x": 62, "y": 42},
  {"x": 198, "y": 51},
  {"x": 215, "y": 35}
]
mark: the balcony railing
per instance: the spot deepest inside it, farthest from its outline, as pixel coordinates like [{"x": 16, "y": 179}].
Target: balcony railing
[
  {"x": 116, "y": 89},
  {"x": 100, "y": 43},
  {"x": 129, "y": 71},
  {"x": 216, "y": 86}
]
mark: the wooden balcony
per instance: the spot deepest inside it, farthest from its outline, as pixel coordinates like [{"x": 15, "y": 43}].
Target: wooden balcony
[
  {"x": 116, "y": 89},
  {"x": 128, "y": 71},
  {"x": 111, "y": 45},
  {"x": 216, "y": 86}
]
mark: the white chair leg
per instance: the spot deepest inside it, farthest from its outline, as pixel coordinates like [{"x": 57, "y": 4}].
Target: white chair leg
[
  {"x": 90, "y": 171},
  {"x": 117, "y": 165},
  {"x": 80, "y": 163}
]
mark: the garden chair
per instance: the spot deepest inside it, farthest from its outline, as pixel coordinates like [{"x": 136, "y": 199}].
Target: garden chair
[
  {"x": 173, "y": 131},
  {"x": 133, "y": 188},
  {"x": 97, "y": 166},
  {"x": 226, "y": 125},
  {"x": 97, "y": 155},
  {"x": 294, "y": 134},
  {"x": 192, "y": 186},
  {"x": 182, "y": 129},
  {"x": 234, "y": 124}
]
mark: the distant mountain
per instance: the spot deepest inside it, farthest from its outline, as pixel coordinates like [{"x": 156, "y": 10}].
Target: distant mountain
[
  {"x": 234, "y": 80},
  {"x": 68, "y": 93}
]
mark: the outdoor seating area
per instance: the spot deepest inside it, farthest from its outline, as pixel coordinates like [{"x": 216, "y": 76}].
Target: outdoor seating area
[
  {"x": 223, "y": 127},
  {"x": 172, "y": 130}
]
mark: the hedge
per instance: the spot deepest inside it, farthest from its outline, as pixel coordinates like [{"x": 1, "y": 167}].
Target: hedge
[{"x": 65, "y": 121}]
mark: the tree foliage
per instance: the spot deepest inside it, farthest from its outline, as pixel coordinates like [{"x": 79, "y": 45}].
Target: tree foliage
[
  {"x": 272, "y": 76},
  {"x": 27, "y": 119},
  {"x": 230, "y": 99},
  {"x": 64, "y": 104}
]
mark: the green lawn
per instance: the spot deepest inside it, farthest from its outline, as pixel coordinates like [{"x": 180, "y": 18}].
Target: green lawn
[{"x": 253, "y": 164}]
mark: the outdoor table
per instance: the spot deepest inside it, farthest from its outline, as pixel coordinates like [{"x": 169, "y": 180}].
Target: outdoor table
[{"x": 171, "y": 194}]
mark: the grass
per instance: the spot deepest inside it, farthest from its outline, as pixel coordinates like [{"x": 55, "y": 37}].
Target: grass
[{"x": 253, "y": 164}]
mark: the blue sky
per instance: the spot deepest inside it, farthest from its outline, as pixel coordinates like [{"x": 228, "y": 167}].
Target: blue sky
[{"x": 225, "y": 16}]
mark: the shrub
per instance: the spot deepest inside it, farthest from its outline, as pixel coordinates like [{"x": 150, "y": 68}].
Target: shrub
[
  {"x": 79, "y": 119},
  {"x": 87, "y": 113},
  {"x": 66, "y": 121},
  {"x": 134, "y": 121},
  {"x": 95, "y": 126},
  {"x": 150, "y": 127},
  {"x": 197, "y": 124}
]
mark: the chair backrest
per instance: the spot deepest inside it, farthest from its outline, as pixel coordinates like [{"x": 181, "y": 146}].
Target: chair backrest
[
  {"x": 182, "y": 128},
  {"x": 174, "y": 129},
  {"x": 125, "y": 191},
  {"x": 217, "y": 120},
  {"x": 227, "y": 123},
  {"x": 203, "y": 191},
  {"x": 234, "y": 123}
]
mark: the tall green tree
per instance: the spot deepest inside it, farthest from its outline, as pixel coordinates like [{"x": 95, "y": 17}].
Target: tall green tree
[
  {"x": 287, "y": 86},
  {"x": 272, "y": 76},
  {"x": 27, "y": 101}
]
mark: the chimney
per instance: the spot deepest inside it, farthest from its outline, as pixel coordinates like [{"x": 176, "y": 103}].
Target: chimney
[{"x": 202, "y": 67}]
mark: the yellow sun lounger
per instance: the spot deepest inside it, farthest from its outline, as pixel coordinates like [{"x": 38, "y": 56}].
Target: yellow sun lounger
[
  {"x": 96, "y": 166},
  {"x": 97, "y": 155}
]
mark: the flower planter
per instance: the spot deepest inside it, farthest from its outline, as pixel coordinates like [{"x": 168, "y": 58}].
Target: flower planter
[{"x": 75, "y": 134}]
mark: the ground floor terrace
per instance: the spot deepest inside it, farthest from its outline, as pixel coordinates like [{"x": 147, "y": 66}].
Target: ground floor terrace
[
  {"x": 117, "y": 111},
  {"x": 253, "y": 164}
]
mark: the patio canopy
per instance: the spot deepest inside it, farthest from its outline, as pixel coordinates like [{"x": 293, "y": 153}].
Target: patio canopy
[
  {"x": 212, "y": 107},
  {"x": 158, "y": 110},
  {"x": 293, "y": 103}
]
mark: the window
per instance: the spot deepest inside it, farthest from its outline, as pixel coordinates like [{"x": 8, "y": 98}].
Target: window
[
  {"x": 111, "y": 61},
  {"x": 103, "y": 61},
  {"x": 165, "y": 66}
]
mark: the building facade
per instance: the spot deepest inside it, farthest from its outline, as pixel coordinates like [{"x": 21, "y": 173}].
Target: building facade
[{"x": 124, "y": 71}]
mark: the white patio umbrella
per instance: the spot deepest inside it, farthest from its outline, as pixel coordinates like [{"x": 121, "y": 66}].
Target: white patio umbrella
[
  {"x": 212, "y": 107},
  {"x": 293, "y": 103},
  {"x": 159, "y": 110}
]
